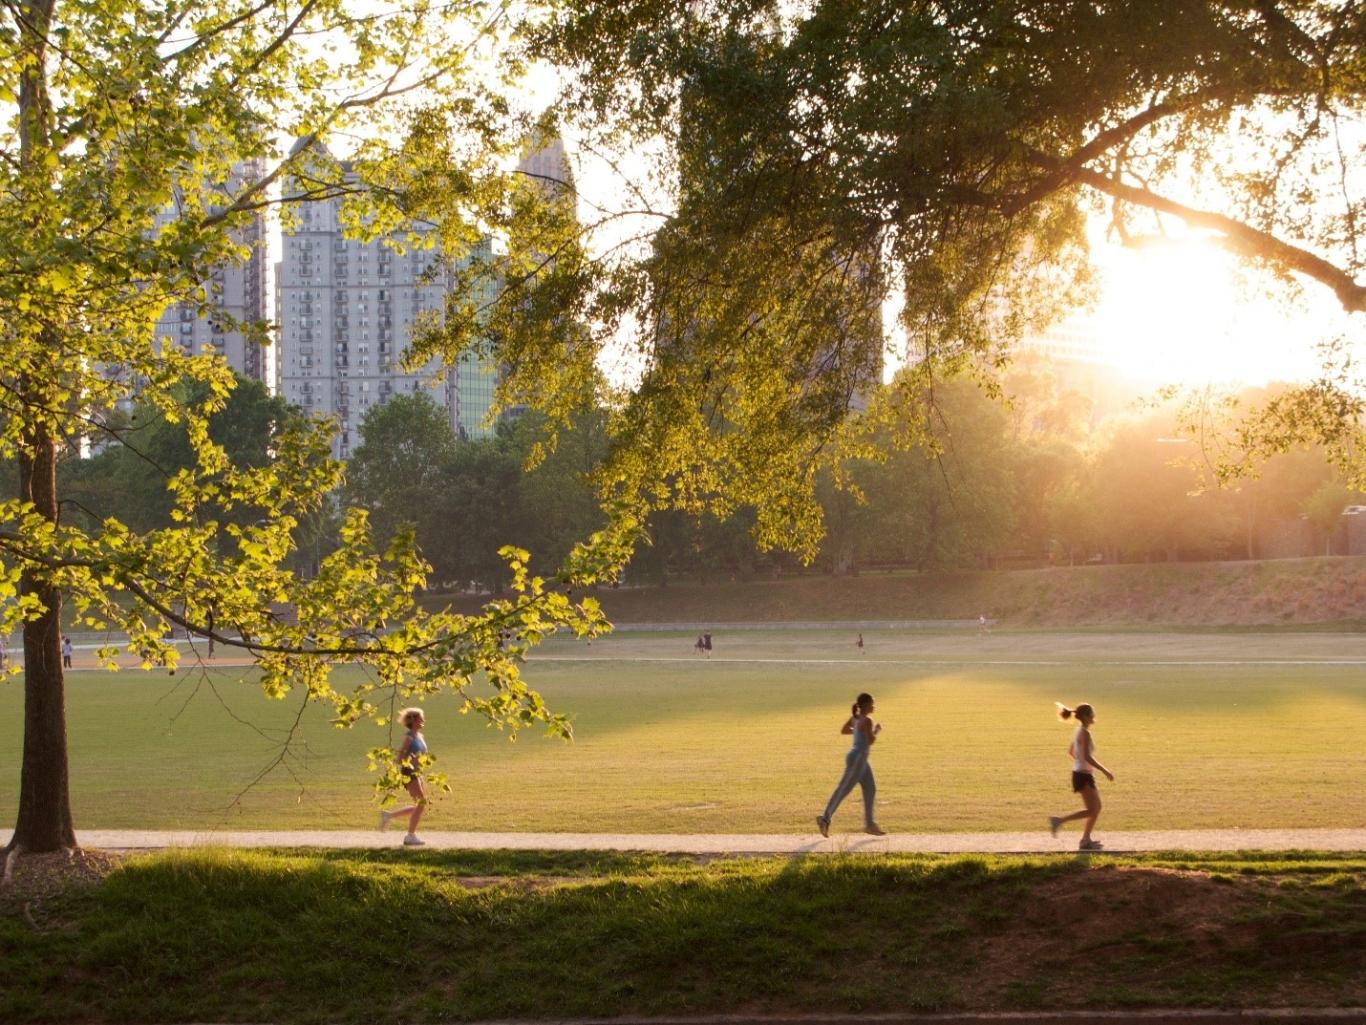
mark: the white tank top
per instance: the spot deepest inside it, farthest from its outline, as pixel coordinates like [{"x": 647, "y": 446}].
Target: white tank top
[{"x": 1080, "y": 750}]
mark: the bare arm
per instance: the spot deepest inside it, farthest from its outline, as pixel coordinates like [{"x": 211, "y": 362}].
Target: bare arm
[
  {"x": 848, "y": 726},
  {"x": 1090, "y": 760}
]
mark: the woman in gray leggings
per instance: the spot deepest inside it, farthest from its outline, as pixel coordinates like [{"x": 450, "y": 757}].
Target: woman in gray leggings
[{"x": 856, "y": 767}]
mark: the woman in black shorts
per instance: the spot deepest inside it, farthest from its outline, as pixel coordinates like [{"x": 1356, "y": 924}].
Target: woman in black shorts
[{"x": 1083, "y": 752}]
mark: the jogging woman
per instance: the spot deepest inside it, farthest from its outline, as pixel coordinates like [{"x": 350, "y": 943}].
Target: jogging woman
[
  {"x": 1083, "y": 752},
  {"x": 409, "y": 764},
  {"x": 856, "y": 767}
]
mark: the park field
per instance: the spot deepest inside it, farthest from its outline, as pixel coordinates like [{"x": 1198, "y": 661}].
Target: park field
[{"x": 1219, "y": 730}]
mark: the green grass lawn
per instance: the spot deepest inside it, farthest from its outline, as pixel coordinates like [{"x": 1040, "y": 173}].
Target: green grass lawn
[
  {"x": 404, "y": 936},
  {"x": 748, "y": 741}
]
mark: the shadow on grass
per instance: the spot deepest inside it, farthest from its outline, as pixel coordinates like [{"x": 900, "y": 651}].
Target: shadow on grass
[{"x": 385, "y": 935}]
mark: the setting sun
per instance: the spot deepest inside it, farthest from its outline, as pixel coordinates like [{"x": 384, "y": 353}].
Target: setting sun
[{"x": 1186, "y": 312}]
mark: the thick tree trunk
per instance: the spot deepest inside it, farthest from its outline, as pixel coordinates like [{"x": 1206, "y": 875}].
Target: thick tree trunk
[{"x": 44, "y": 822}]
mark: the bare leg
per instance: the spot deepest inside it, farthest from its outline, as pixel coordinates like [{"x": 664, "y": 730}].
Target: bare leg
[
  {"x": 1091, "y": 797},
  {"x": 419, "y": 795}
]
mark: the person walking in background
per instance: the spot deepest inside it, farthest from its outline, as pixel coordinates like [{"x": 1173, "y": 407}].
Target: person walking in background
[
  {"x": 1083, "y": 752},
  {"x": 856, "y": 767},
  {"x": 859, "y": 642},
  {"x": 409, "y": 760},
  {"x": 67, "y": 651},
  {"x": 700, "y": 647},
  {"x": 706, "y": 644}
]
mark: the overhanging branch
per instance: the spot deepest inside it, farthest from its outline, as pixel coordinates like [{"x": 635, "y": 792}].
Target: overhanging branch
[{"x": 1239, "y": 237}]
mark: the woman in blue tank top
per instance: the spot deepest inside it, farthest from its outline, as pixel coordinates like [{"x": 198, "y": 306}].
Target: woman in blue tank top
[
  {"x": 856, "y": 767},
  {"x": 409, "y": 759}
]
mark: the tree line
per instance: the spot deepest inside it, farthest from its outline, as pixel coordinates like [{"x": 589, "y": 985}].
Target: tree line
[{"x": 1028, "y": 481}]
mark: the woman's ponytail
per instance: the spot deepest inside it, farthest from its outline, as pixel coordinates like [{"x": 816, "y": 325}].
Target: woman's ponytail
[{"x": 1064, "y": 712}]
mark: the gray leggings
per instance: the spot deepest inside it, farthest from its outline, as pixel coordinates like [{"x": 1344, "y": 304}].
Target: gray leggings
[{"x": 856, "y": 770}]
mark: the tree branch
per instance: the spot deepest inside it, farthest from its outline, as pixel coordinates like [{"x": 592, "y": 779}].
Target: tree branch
[
  {"x": 1064, "y": 170},
  {"x": 1237, "y": 236}
]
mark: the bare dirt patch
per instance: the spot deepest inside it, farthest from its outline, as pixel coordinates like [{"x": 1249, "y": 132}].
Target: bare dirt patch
[
  {"x": 30, "y": 877},
  {"x": 1111, "y": 923}
]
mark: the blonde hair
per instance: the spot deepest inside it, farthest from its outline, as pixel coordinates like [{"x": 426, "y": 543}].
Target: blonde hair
[
  {"x": 407, "y": 714},
  {"x": 1066, "y": 713}
]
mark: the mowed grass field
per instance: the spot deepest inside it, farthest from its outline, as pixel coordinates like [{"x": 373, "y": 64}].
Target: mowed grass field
[{"x": 1202, "y": 730}]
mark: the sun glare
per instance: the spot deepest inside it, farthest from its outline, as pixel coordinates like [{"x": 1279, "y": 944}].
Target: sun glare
[{"x": 1186, "y": 312}]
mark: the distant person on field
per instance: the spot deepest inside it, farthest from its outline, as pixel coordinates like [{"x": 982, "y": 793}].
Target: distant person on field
[
  {"x": 706, "y": 644},
  {"x": 67, "y": 651},
  {"x": 859, "y": 643},
  {"x": 700, "y": 646},
  {"x": 1083, "y": 752},
  {"x": 982, "y": 625},
  {"x": 409, "y": 764},
  {"x": 856, "y": 767}
]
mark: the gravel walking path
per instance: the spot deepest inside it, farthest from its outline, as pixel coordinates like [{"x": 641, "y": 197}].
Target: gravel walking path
[{"x": 688, "y": 843}]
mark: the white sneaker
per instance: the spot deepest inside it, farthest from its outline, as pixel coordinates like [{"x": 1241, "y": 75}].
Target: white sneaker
[
  {"x": 384, "y": 817},
  {"x": 413, "y": 840}
]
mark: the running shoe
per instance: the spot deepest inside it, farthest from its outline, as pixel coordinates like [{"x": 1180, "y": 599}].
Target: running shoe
[
  {"x": 412, "y": 840},
  {"x": 823, "y": 824},
  {"x": 1053, "y": 823},
  {"x": 875, "y": 830},
  {"x": 1090, "y": 845}
]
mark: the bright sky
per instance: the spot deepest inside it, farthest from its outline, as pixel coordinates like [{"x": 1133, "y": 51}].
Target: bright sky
[
  {"x": 1183, "y": 312},
  {"x": 1188, "y": 312}
]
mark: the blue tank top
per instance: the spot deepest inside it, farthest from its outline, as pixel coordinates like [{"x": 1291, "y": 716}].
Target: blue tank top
[
  {"x": 860, "y": 740},
  {"x": 416, "y": 746}
]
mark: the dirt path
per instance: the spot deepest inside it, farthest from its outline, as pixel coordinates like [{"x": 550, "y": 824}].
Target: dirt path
[{"x": 683, "y": 843}]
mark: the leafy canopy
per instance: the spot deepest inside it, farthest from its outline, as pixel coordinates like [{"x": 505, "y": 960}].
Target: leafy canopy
[
  {"x": 816, "y": 160},
  {"x": 125, "y": 127}
]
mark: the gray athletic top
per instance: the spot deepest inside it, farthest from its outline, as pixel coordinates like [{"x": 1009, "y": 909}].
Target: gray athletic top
[{"x": 860, "y": 739}]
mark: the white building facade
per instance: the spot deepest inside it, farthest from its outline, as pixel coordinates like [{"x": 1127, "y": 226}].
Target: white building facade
[
  {"x": 346, "y": 312},
  {"x": 240, "y": 291}
]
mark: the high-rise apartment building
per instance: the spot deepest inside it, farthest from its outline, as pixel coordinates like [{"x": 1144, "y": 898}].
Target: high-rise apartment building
[
  {"x": 346, "y": 313},
  {"x": 474, "y": 377},
  {"x": 239, "y": 291}
]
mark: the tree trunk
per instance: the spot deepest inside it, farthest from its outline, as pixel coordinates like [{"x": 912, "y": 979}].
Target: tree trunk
[{"x": 44, "y": 822}]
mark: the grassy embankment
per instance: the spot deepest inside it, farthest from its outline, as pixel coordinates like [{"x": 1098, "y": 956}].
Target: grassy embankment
[
  {"x": 424, "y": 936},
  {"x": 1281, "y": 592},
  {"x": 1231, "y": 730}
]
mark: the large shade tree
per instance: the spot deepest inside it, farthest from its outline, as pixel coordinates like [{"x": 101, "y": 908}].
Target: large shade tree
[
  {"x": 810, "y": 161},
  {"x": 123, "y": 124}
]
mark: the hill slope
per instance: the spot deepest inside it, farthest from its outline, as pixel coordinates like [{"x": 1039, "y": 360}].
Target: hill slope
[{"x": 1275, "y": 592}]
